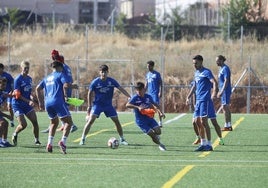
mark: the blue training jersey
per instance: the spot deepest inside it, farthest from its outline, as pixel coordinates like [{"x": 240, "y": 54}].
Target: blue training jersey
[
  {"x": 153, "y": 80},
  {"x": 203, "y": 85},
  {"x": 224, "y": 73},
  {"x": 104, "y": 90},
  {"x": 68, "y": 72},
  {"x": 146, "y": 101},
  {"x": 53, "y": 87},
  {"x": 24, "y": 85},
  {"x": 10, "y": 81}
]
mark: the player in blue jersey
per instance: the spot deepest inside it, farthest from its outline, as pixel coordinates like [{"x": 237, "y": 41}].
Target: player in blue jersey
[
  {"x": 190, "y": 100},
  {"x": 3, "y": 122},
  {"x": 144, "y": 107},
  {"x": 102, "y": 88},
  {"x": 55, "y": 87},
  {"x": 22, "y": 103},
  {"x": 225, "y": 91},
  {"x": 154, "y": 85},
  {"x": 204, "y": 79},
  {"x": 9, "y": 89},
  {"x": 66, "y": 70}
]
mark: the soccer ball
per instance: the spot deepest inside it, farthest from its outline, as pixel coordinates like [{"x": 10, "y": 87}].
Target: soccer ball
[{"x": 113, "y": 143}]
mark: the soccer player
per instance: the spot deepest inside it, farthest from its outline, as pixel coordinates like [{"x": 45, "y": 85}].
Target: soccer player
[
  {"x": 3, "y": 122},
  {"x": 211, "y": 116},
  {"x": 103, "y": 89},
  {"x": 55, "y": 87},
  {"x": 22, "y": 103},
  {"x": 204, "y": 80},
  {"x": 9, "y": 89},
  {"x": 225, "y": 91},
  {"x": 154, "y": 85},
  {"x": 144, "y": 108},
  {"x": 66, "y": 70}
]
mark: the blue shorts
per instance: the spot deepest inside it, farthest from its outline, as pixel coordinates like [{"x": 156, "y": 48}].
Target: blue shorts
[
  {"x": 109, "y": 111},
  {"x": 146, "y": 124},
  {"x": 61, "y": 111},
  {"x": 21, "y": 109},
  {"x": 201, "y": 109},
  {"x": 211, "y": 110},
  {"x": 225, "y": 98}
]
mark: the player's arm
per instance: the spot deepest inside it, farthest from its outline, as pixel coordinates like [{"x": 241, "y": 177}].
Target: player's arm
[
  {"x": 190, "y": 94},
  {"x": 124, "y": 92},
  {"x": 157, "y": 108},
  {"x": 146, "y": 85},
  {"x": 160, "y": 88},
  {"x": 90, "y": 94},
  {"x": 40, "y": 96},
  {"x": 66, "y": 86},
  {"x": 215, "y": 88},
  {"x": 225, "y": 83},
  {"x": 17, "y": 95},
  {"x": 132, "y": 106}
]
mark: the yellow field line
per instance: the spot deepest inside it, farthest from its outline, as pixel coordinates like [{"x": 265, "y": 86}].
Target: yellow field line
[
  {"x": 175, "y": 179},
  {"x": 224, "y": 134},
  {"x": 101, "y": 131}
]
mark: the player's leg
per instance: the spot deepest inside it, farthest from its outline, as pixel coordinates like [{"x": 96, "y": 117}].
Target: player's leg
[
  {"x": 22, "y": 124},
  {"x": 52, "y": 130},
  {"x": 225, "y": 101},
  {"x": 111, "y": 112},
  {"x": 31, "y": 115},
  {"x": 9, "y": 108},
  {"x": 119, "y": 129},
  {"x": 68, "y": 122},
  {"x": 195, "y": 127},
  {"x": 3, "y": 133},
  {"x": 91, "y": 119},
  {"x": 212, "y": 117}
]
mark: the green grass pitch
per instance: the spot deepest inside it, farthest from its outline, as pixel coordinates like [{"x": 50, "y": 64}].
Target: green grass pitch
[{"x": 241, "y": 162}]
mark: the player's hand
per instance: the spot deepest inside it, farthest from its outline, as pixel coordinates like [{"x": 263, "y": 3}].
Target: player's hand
[
  {"x": 31, "y": 103},
  {"x": 163, "y": 115}
]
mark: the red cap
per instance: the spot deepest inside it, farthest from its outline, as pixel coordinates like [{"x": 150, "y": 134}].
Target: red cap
[{"x": 54, "y": 54}]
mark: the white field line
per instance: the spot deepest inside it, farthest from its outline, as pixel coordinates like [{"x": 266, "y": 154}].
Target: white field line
[
  {"x": 23, "y": 159},
  {"x": 174, "y": 119}
]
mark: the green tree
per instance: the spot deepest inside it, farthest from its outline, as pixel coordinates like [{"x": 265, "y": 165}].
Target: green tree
[
  {"x": 14, "y": 16},
  {"x": 241, "y": 13},
  {"x": 120, "y": 23},
  {"x": 171, "y": 25}
]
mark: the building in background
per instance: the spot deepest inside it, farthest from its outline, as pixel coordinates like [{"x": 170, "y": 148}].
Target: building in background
[
  {"x": 136, "y": 8},
  {"x": 64, "y": 11},
  {"x": 101, "y": 11}
]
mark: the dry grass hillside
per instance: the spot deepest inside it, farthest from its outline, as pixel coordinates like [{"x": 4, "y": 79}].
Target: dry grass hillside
[{"x": 84, "y": 54}]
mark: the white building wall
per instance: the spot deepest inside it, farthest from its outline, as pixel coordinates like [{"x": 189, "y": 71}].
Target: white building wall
[{"x": 65, "y": 10}]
